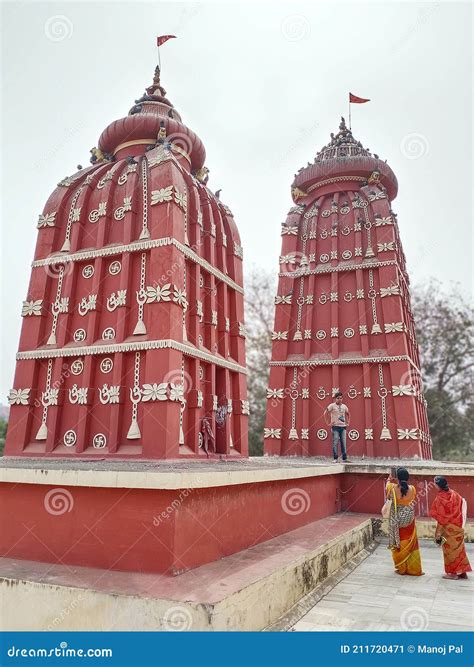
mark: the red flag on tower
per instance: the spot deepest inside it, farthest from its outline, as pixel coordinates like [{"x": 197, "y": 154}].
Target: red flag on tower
[
  {"x": 164, "y": 38},
  {"x": 353, "y": 99}
]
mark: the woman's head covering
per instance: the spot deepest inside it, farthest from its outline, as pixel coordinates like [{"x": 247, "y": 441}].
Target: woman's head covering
[{"x": 441, "y": 482}]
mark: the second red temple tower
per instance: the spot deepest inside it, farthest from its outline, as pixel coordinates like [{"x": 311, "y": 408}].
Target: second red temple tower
[{"x": 343, "y": 319}]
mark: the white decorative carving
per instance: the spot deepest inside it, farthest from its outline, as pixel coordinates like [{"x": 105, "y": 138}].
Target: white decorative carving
[
  {"x": 99, "y": 441},
  {"x": 347, "y": 254},
  {"x": 349, "y": 332},
  {"x": 393, "y": 327},
  {"x": 334, "y": 332},
  {"x": 403, "y": 390},
  {"x": 407, "y": 433},
  {"x": 99, "y": 212},
  {"x": 181, "y": 199},
  {"x": 119, "y": 212},
  {"x": 322, "y": 434},
  {"x": 155, "y": 392},
  {"x": 31, "y": 308},
  {"x": 88, "y": 271},
  {"x": 369, "y": 433},
  {"x": 70, "y": 438},
  {"x": 245, "y": 407},
  {"x": 108, "y": 334},
  {"x": 367, "y": 392},
  {"x": 390, "y": 290},
  {"x": 78, "y": 395},
  {"x": 19, "y": 396},
  {"x": 275, "y": 393},
  {"x": 109, "y": 394},
  {"x": 46, "y": 220},
  {"x": 279, "y": 335},
  {"x": 353, "y": 434},
  {"x": 362, "y": 329},
  {"x": 79, "y": 335},
  {"x": 86, "y": 304},
  {"x": 158, "y": 293},
  {"x": 321, "y": 334},
  {"x": 283, "y": 299},
  {"x": 116, "y": 300},
  {"x": 162, "y": 195},
  {"x": 385, "y": 247},
  {"x": 272, "y": 433},
  {"x": 115, "y": 268},
  {"x": 106, "y": 365}
]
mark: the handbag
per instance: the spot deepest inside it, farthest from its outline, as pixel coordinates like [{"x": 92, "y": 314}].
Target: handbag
[{"x": 387, "y": 506}]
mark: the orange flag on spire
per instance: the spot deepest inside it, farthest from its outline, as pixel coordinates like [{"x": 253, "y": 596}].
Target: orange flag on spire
[
  {"x": 164, "y": 38},
  {"x": 353, "y": 99}
]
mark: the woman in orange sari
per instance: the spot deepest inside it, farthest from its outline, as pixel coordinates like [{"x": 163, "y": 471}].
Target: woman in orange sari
[
  {"x": 449, "y": 510},
  {"x": 403, "y": 540}
]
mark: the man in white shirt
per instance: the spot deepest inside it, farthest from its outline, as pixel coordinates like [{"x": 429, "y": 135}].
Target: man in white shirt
[{"x": 339, "y": 416}]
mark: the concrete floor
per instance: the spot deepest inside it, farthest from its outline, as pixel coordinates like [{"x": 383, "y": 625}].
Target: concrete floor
[{"x": 373, "y": 597}]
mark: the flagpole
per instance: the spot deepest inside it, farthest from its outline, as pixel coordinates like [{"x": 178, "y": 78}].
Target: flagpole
[
  {"x": 350, "y": 122},
  {"x": 159, "y": 58}
]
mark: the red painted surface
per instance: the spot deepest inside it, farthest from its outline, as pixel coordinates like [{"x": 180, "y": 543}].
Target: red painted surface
[
  {"x": 366, "y": 492},
  {"x": 153, "y": 175},
  {"x": 154, "y": 530},
  {"x": 342, "y": 317}
]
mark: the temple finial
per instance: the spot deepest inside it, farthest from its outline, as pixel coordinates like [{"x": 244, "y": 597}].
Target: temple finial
[{"x": 342, "y": 124}]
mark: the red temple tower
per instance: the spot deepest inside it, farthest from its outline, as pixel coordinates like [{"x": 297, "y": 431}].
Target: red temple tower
[
  {"x": 132, "y": 342},
  {"x": 343, "y": 318}
]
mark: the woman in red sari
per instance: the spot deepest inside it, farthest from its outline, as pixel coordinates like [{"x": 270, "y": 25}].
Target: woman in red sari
[
  {"x": 449, "y": 510},
  {"x": 403, "y": 540}
]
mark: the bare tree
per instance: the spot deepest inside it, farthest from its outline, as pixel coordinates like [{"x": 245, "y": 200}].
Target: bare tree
[{"x": 260, "y": 286}]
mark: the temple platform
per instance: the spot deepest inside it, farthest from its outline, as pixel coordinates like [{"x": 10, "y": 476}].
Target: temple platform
[
  {"x": 171, "y": 517},
  {"x": 248, "y": 590}
]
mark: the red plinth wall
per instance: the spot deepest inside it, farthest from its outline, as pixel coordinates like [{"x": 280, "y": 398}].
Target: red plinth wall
[
  {"x": 343, "y": 319},
  {"x": 133, "y": 322}
]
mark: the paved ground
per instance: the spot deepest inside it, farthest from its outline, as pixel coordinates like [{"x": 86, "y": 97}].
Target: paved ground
[
  {"x": 251, "y": 463},
  {"x": 373, "y": 597}
]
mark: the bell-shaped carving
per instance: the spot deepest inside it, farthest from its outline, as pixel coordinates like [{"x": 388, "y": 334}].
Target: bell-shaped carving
[
  {"x": 376, "y": 328},
  {"x": 298, "y": 335},
  {"x": 385, "y": 434},
  {"x": 293, "y": 434},
  {"x": 134, "y": 431},
  {"x": 42, "y": 432}
]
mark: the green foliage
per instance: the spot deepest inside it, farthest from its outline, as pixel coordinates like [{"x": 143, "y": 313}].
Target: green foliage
[
  {"x": 3, "y": 434},
  {"x": 444, "y": 324}
]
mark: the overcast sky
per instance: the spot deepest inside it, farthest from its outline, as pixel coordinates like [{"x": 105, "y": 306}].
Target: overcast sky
[{"x": 263, "y": 85}]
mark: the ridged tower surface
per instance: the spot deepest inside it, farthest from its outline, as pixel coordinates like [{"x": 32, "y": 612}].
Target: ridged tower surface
[
  {"x": 132, "y": 342},
  {"x": 343, "y": 319}
]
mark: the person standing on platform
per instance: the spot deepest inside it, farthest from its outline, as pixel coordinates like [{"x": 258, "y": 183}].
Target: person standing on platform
[
  {"x": 399, "y": 508},
  {"x": 450, "y": 510},
  {"x": 337, "y": 416}
]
